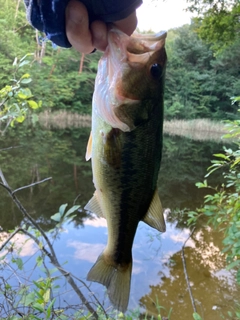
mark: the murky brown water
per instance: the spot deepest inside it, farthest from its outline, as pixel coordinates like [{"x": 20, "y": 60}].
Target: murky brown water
[{"x": 158, "y": 274}]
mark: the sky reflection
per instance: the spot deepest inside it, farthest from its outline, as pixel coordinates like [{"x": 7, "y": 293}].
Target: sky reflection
[
  {"x": 21, "y": 243},
  {"x": 157, "y": 265}
]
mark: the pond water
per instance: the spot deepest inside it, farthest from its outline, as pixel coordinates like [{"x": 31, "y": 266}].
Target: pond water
[{"x": 158, "y": 274}]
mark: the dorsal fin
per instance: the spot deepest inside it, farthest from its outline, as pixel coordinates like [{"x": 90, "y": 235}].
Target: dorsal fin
[{"x": 154, "y": 217}]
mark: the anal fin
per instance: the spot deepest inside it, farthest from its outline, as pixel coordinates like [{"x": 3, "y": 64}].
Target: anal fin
[
  {"x": 154, "y": 217},
  {"x": 93, "y": 206}
]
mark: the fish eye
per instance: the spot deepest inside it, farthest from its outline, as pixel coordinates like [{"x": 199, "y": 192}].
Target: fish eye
[{"x": 156, "y": 70}]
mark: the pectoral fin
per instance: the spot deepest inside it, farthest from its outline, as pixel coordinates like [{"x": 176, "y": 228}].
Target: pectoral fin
[
  {"x": 89, "y": 148},
  {"x": 154, "y": 217},
  {"x": 93, "y": 206}
]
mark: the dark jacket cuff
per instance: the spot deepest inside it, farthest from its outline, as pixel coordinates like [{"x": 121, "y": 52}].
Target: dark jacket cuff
[{"x": 49, "y": 17}]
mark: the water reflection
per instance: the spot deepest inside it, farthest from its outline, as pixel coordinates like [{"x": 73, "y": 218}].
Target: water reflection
[
  {"x": 86, "y": 251},
  {"x": 158, "y": 274},
  {"x": 61, "y": 154},
  {"x": 157, "y": 270},
  {"x": 22, "y": 244},
  {"x": 211, "y": 285}
]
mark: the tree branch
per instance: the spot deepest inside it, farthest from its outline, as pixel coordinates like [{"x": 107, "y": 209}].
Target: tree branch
[
  {"x": 9, "y": 238},
  {"x": 51, "y": 255},
  {"x": 97, "y": 301},
  {"x": 186, "y": 274},
  {"x": 31, "y": 185},
  {"x": 7, "y": 125},
  {"x": 5, "y": 149},
  {"x": 65, "y": 273}
]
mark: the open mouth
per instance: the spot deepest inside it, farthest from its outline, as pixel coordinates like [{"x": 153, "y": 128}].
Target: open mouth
[{"x": 135, "y": 49}]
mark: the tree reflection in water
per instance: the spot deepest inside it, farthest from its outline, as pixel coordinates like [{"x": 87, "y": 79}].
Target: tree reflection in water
[
  {"x": 61, "y": 154},
  {"x": 213, "y": 288}
]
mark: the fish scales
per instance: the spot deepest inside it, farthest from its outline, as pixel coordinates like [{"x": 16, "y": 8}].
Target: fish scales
[
  {"x": 125, "y": 147},
  {"x": 128, "y": 181}
]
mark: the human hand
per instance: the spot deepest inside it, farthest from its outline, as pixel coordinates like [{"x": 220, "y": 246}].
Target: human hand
[{"x": 85, "y": 38}]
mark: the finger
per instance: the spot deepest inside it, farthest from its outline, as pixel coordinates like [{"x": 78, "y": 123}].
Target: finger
[
  {"x": 127, "y": 25},
  {"x": 77, "y": 27},
  {"x": 99, "y": 35}
]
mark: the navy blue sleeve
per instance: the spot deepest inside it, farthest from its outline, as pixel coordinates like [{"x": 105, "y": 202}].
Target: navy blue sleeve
[{"x": 48, "y": 16}]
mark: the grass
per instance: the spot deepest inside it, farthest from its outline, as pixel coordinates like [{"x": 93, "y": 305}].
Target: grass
[
  {"x": 198, "y": 129},
  {"x": 64, "y": 119}
]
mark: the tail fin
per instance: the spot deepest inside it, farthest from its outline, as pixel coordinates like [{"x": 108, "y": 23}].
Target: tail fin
[{"x": 117, "y": 280}]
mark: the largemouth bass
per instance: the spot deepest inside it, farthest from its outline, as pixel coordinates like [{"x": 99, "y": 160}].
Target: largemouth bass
[{"x": 125, "y": 146}]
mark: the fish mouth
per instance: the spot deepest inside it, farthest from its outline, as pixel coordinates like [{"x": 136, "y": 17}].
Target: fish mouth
[
  {"x": 135, "y": 49},
  {"x": 123, "y": 53}
]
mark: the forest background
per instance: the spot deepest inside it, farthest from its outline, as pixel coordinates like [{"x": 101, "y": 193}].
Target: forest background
[{"x": 202, "y": 72}]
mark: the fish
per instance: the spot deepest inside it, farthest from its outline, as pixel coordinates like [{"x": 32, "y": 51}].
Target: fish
[{"x": 125, "y": 148}]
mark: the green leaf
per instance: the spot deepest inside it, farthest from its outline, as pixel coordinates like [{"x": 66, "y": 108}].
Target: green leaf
[
  {"x": 38, "y": 307},
  {"x": 196, "y": 316},
  {"x": 22, "y": 96},
  {"x": 26, "y": 75},
  {"x": 227, "y": 136},
  {"x": 71, "y": 210},
  {"x": 39, "y": 295},
  {"x": 238, "y": 276},
  {"x": 25, "y": 81},
  {"x": 26, "y": 55},
  {"x": 56, "y": 217},
  {"x": 15, "y": 61},
  {"x": 23, "y": 63},
  {"x": 233, "y": 264},
  {"x": 30, "y": 298},
  {"x": 49, "y": 309},
  {"x": 210, "y": 172},
  {"x": 39, "y": 261},
  {"x": 202, "y": 185},
  {"x": 20, "y": 119},
  {"x": 46, "y": 296},
  {"x": 38, "y": 285},
  {"x": 32, "y": 104},
  {"x": 221, "y": 155},
  {"x": 62, "y": 209},
  {"x": 19, "y": 263}
]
